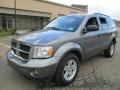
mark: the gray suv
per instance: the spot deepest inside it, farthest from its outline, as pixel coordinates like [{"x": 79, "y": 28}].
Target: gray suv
[{"x": 56, "y": 51}]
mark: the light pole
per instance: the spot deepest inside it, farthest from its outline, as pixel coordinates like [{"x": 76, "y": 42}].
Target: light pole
[{"x": 15, "y": 16}]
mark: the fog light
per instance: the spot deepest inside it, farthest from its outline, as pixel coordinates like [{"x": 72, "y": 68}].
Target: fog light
[{"x": 34, "y": 73}]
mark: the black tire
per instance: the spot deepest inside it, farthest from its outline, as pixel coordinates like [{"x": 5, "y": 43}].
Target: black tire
[
  {"x": 59, "y": 76},
  {"x": 107, "y": 52}
]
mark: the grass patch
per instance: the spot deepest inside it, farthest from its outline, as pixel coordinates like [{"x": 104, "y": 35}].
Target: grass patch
[{"x": 5, "y": 33}]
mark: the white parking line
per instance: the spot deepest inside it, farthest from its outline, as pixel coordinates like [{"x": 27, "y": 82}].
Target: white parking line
[{"x": 4, "y": 45}]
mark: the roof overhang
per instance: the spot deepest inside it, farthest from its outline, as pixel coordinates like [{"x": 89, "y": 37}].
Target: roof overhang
[{"x": 24, "y": 12}]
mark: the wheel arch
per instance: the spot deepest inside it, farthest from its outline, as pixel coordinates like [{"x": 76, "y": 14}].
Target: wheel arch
[
  {"x": 114, "y": 40},
  {"x": 75, "y": 52},
  {"x": 70, "y": 47},
  {"x": 67, "y": 48}
]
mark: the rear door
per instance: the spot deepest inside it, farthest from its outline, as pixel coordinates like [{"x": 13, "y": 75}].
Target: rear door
[
  {"x": 107, "y": 27},
  {"x": 103, "y": 28},
  {"x": 112, "y": 30}
]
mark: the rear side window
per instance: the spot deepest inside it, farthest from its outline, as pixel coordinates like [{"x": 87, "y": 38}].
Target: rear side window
[
  {"x": 112, "y": 24},
  {"x": 103, "y": 23}
]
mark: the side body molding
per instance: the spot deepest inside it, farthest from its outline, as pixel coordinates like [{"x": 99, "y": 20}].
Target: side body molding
[{"x": 67, "y": 48}]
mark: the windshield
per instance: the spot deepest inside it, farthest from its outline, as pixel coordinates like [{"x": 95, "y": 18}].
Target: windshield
[{"x": 65, "y": 23}]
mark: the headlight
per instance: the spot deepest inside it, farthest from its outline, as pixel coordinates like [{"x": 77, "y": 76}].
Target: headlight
[{"x": 42, "y": 52}]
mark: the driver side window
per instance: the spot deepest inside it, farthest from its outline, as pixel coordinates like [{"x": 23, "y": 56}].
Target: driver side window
[{"x": 92, "y": 24}]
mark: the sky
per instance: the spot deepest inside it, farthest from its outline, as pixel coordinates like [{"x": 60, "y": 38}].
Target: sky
[{"x": 108, "y": 7}]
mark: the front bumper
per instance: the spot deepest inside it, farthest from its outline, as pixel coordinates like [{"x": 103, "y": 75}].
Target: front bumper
[{"x": 38, "y": 68}]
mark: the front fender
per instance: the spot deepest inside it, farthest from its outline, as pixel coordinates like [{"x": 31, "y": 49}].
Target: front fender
[{"x": 64, "y": 49}]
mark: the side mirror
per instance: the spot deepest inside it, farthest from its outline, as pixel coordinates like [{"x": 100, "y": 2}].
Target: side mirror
[{"x": 92, "y": 28}]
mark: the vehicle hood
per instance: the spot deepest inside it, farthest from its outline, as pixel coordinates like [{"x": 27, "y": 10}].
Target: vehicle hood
[{"x": 41, "y": 37}]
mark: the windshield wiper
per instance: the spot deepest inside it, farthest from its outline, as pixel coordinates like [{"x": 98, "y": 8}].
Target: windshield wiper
[{"x": 53, "y": 28}]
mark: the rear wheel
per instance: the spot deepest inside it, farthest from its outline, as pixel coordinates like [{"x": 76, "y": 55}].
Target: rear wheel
[
  {"x": 67, "y": 70},
  {"x": 110, "y": 51}
]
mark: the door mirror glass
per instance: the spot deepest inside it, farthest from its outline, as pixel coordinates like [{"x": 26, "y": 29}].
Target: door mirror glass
[{"x": 92, "y": 28}]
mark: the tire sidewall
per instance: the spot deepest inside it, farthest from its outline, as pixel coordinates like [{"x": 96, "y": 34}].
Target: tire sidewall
[
  {"x": 60, "y": 70},
  {"x": 107, "y": 51}
]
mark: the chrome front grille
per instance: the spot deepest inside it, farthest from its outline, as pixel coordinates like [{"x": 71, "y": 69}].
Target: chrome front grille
[
  {"x": 24, "y": 47},
  {"x": 20, "y": 50}
]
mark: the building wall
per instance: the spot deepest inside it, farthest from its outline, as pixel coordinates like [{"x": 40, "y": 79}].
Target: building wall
[
  {"x": 41, "y": 6},
  {"x": 32, "y": 14}
]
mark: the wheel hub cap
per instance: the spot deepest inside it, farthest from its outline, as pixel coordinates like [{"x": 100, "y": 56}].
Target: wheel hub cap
[
  {"x": 70, "y": 70},
  {"x": 112, "y": 50}
]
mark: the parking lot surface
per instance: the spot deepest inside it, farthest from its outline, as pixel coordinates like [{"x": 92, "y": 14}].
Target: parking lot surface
[{"x": 96, "y": 73}]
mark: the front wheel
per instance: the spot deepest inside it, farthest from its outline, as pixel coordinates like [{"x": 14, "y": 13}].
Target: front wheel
[
  {"x": 67, "y": 70},
  {"x": 110, "y": 51}
]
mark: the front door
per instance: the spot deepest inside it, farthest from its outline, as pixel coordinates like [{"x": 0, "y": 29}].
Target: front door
[{"x": 93, "y": 39}]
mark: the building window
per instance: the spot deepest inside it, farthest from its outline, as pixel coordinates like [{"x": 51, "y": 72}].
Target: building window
[
  {"x": 4, "y": 23},
  {"x": 23, "y": 22},
  {"x": 19, "y": 23},
  {"x": 0, "y": 23},
  {"x": 43, "y": 21},
  {"x": 36, "y": 24},
  {"x": 9, "y": 21}
]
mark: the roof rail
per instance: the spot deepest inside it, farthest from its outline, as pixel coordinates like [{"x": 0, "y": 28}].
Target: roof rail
[{"x": 101, "y": 14}]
